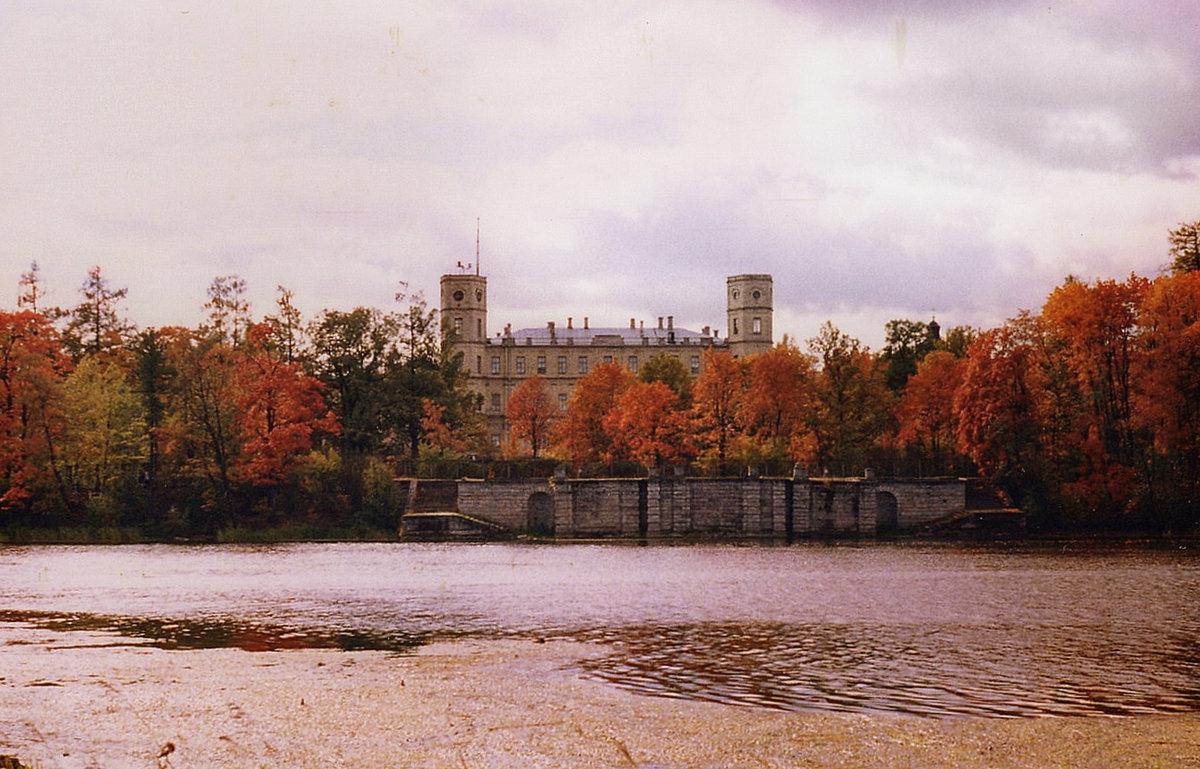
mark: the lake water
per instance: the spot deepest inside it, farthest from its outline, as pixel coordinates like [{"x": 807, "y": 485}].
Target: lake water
[{"x": 930, "y": 630}]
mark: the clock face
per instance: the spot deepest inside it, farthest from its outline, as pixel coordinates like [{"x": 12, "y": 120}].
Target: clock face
[
  {"x": 458, "y": 296},
  {"x": 478, "y": 295},
  {"x": 757, "y": 294}
]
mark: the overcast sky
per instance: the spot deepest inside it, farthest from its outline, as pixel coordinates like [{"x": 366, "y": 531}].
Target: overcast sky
[{"x": 885, "y": 160}]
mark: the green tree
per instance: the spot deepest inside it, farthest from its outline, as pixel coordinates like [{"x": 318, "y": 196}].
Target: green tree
[
  {"x": 104, "y": 444},
  {"x": 1185, "y": 247},
  {"x": 668, "y": 369},
  {"x": 906, "y": 343}
]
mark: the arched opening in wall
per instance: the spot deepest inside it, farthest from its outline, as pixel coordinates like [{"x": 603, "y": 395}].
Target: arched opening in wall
[
  {"x": 887, "y": 512},
  {"x": 540, "y": 514}
]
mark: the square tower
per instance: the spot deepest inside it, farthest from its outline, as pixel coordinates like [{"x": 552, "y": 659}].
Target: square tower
[{"x": 749, "y": 306}]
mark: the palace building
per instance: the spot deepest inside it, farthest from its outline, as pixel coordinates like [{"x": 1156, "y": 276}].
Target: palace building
[{"x": 562, "y": 354}]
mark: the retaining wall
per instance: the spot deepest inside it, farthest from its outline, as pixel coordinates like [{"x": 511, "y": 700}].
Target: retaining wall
[{"x": 734, "y": 508}]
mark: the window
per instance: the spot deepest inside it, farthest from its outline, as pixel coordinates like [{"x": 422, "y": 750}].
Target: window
[
  {"x": 541, "y": 364},
  {"x": 495, "y": 440},
  {"x": 458, "y": 325},
  {"x": 495, "y": 401},
  {"x": 735, "y": 327},
  {"x": 695, "y": 364},
  {"x": 479, "y": 327},
  {"x": 478, "y": 364},
  {"x": 582, "y": 364},
  {"x": 562, "y": 364},
  {"x": 562, "y": 401},
  {"x": 633, "y": 363},
  {"x": 756, "y": 326},
  {"x": 520, "y": 364},
  {"x": 608, "y": 359},
  {"x": 495, "y": 364}
]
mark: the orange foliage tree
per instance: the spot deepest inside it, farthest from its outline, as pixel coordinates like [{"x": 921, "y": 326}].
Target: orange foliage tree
[
  {"x": 531, "y": 412},
  {"x": 279, "y": 409},
  {"x": 716, "y": 398},
  {"x": 1167, "y": 391},
  {"x": 853, "y": 403},
  {"x": 925, "y": 414},
  {"x": 776, "y": 408},
  {"x": 646, "y": 426},
  {"x": 32, "y": 369},
  {"x": 580, "y": 435}
]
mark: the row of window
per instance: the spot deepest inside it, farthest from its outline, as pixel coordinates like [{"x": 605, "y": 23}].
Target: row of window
[
  {"x": 496, "y": 405},
  {"x": 581, "y": 368}
]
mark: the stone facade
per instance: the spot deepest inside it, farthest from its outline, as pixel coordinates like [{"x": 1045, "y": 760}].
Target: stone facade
[
  {"x": 561, "y": 354},
  {"x": 701, "y": 508}
]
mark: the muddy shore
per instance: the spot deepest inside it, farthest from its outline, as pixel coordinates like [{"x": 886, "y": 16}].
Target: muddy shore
[{"x": 91, "y": 700}]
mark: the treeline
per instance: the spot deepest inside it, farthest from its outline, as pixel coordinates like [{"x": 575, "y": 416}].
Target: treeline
[
  {"x": 1086, "y": 414},
  {"x": 233, "y": 427}
]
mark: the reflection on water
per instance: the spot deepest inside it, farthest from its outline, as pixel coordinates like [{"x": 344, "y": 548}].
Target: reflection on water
[
  {"x": 216, "y": 633},
  {"x": 934, "y": 631}
]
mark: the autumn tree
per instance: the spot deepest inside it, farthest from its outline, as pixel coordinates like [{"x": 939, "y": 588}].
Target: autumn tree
[
  {"x": 1167, "y": 394},
  {"x": 1001, "y": 408},
  {"x": 853, "y": 403},
  {"x": 1185, "y": 247},
  {"x": 716, "y": 399},
  {"x": 1096, "y": 326},
  {"x": 581, "y": 434},
  {"x": 32, "y": 369},
  {"x": 646, "y": 426},
  {"x": 776, "y": 409},
  {"x": 280, "y": 410},
  {"x": 925, "y": 414},
  {"x": 531, "y": 412}
]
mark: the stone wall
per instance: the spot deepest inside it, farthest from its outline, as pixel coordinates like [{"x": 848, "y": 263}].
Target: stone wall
[{"x": 734, "y": 508}]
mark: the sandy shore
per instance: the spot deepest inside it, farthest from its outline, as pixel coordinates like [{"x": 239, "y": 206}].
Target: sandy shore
[{"x": 86, "y": 700}]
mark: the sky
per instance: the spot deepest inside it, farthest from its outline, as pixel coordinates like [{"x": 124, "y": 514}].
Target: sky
[{"x": 619, "y": 160}]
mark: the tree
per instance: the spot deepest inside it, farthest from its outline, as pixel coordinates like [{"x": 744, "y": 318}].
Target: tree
[
  {"x": 777, "y": 406},
  {"x": 32, "y": 369},
  {"x": 97, "y": 325},
  {"x": 646, "y": 426},
  {"x": 279, "y": 411},
  {"x": 1185, "y": 247},
  {"x": 228, "y": 309},
  {"x": 104, "y": 442},
  {"x": 531, "y": 412},
  {"x": 668, "y": 369},
  {"x": 1001, "y": 409},
  {"x": 580, "y": 434},
  {"x": 288, "y": 326},
  {"x": 1167, "y": 395},
  {"x": 925, "y": 414},
  {"x": 353, "y": 354},
  {"x": 853, "y": 401},
  {"x": 417, "y": 375},
  {"x": 906, "y": 343},
  {"x": 717, "y": 397}
]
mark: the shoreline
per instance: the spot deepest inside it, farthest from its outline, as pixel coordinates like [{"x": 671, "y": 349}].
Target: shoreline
[{"x": 82, "y": 699}]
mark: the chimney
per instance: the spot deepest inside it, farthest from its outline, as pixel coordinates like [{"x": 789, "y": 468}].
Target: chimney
[
  {"x": 585, "y": 322},
  {"x": 632, "y": 324},
  {"x": 570, "y": 322},
  {"x": 706, "y": 331},
  {"x": 660, "y": 321},
  {"x": 671, "y": 321}
]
